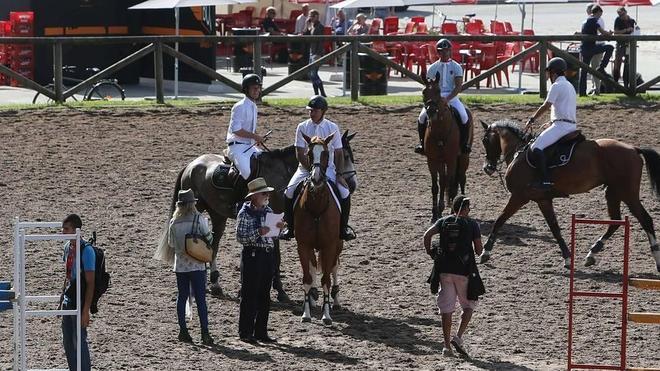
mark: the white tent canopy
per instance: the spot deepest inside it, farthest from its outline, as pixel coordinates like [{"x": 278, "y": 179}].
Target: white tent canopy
[{"x": 176, "y": 4}]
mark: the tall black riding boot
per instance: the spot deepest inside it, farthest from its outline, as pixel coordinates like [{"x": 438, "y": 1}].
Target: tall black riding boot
[
  {"x": 542, "y": 169},
  {"x": 421, "y": 131},
  {"x": 464, "y": 133},
  {"x": 316, "y": 89},
  {"x": 287, "y": 232},
  {"x": 345, "y": 232},
  {"x": 321, "y": 89}
]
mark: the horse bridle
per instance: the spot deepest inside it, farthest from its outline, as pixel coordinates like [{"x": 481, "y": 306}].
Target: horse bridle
[{"x": 495, "y": 166}]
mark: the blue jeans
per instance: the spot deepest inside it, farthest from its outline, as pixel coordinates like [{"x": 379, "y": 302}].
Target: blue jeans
[
  {"x": 69, "y": 329},
  {"x": 314, "y": 71},
  {"x": 183, "y": 283}
]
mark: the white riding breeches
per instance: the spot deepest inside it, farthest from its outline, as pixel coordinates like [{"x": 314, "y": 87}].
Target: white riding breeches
[
  {"x": 552, "y": 134},
  {"x": 240, "y": 155},
  {"x": 301, "y": 174},
  {"x": 456, "y": 103}
]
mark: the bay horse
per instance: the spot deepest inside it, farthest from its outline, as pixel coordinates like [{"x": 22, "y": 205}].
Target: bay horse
[
  {"x": 276, "y": 167},
  {"x": 317, "y": 219},
  {"x": 608, "y": 162},
  {"x": 444, "y": 158}
]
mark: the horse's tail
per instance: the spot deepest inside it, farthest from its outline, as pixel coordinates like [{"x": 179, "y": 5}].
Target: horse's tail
[
  {"x": 652, "y": 159},
  {"x": 165, "y": 252}
]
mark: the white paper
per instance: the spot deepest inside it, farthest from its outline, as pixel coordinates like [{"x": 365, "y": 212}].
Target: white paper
[{"x": 271, "y": 222}]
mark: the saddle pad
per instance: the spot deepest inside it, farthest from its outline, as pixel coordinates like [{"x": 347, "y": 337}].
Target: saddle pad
[
  {"x": 221, "y": 178},
  {"x": 561, "y": 155}
]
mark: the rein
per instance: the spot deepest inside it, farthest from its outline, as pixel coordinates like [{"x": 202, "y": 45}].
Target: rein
[{"x": 524, "y": 141}]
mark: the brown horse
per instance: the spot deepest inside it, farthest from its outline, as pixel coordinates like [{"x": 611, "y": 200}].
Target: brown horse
[
  {"x": 276, "y": 167},
  {"x": 608, "y": 162},
  {"x": 317, "y": 220},
  {"x": 446, "y": 162}
]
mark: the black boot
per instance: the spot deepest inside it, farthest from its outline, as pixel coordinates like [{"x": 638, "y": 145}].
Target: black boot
[
  {"x": 287, "y": 232},
  {"x": 345, "y": 232},
  {"x": 322, "y": 90},
  {"x": 464, "y": 133},
  {"x": 421, "y": 131},
  {"x": 542, "y": 169},
  {"x": 316, "y": 89}
]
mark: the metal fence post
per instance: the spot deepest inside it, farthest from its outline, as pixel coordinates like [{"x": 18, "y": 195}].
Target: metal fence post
[
  {"x": 158, "y": 71},
  {"x": 543, "y": 61},
  {"x": 57, "y": 72},
  {"x": 355, "y": 70}
]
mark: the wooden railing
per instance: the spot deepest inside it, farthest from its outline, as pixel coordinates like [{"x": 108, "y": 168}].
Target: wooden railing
[{"x": 156, "y": 45}]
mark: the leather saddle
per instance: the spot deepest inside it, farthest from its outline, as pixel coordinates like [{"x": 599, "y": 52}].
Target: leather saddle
[{"x": 560, "y": 153}]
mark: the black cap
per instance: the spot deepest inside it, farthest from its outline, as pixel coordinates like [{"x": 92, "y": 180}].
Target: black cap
[
  {"x": 317, "y": 102},
  {"x": 460, "y": 203},
  {"x": 249, "y": 80}
]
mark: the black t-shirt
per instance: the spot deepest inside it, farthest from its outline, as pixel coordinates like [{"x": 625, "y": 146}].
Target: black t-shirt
[
  {"x": 620, "y": 24},
  {"x": 269, "y": 25},
  {"x": 589, "y": 27},
  {"x": 456, "y": 260}
]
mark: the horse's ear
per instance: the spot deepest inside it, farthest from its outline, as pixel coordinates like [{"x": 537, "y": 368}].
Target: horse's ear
[
  {"x": 327, "y": 139},
  {"x": 307, "y": 139},
  {"x": 348, "y": 138},
  {"x": 485, "y": 126}
]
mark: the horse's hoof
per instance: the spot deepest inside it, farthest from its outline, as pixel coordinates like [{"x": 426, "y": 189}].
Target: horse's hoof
[
  {"x": 327, "y": 321},
  {"x": 216, "y": 291},
  {"x": 282, "y": 297},
  {"x": 484, "y": 257},
  {"x": 567, "y": 263},
  {"x": 589, "y": 260},
  {"x": 305, "y": 319}
]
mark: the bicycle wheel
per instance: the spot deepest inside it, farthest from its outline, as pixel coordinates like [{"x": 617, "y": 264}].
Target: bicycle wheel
[{"x": 106, "y": 90}]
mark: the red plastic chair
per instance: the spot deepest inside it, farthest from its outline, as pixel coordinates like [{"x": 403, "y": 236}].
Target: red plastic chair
[
  {"x": 472, "y": 28},
  {"x": 391, "y": 26},
  {"x": 449, "y": 28},
  {"x": 480, "y": 23},
  {"x": 295, "y": 13},
  {"x": 422, "y": 29},
  {"x": 410, "y": 28},
  {"x": 509, "y": 29},
  {"x": 242, "y": 20},
  {"x": 421, "y": 59},
  {"x": 532, "y": 59},
  {"x": 374, "y": 28},
  {"x": 328, "y": 45},
  {"x": 489, "y": 60},
  {"x": 432, "y": 52},
  {"x": 497, "y": 27},
  {"x": 262, "y": 13},
  {"x": 418, "y": 19}
]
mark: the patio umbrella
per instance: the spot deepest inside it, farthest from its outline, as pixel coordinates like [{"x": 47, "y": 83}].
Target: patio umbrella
[
  {"x": 176, "y": 4},
  {"x": 521, "y": 5}
]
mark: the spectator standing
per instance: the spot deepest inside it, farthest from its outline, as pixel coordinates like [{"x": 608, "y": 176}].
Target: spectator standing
[
  {"x": 456, "y": 262},
  {"x": 190, "y": 273},
  {"x": 316, "y": 50},
  {"x": 301, "y": 21},
  {"x": 590, "y": 48},
  {"x": 360, "y": 26},
  {"x": 597, "y": 58},
  {"x": 623, "y": 25},
  {"x": 257, "y": 263},
  {"x": 70, "y": 296},
  {"x": 338, "y": 23}
]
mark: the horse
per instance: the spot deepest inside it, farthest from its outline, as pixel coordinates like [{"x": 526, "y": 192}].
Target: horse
[
  {"x": 446, "y": 162},
  {"x": 608, "y": 162},
  {"x": 276, "y": 167},
  {"x": 317, "y": 220}
]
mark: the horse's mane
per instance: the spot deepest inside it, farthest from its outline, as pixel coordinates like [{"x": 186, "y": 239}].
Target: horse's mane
[
  {"x": 511, "y": 125},
  {"x": 280, "y": 153}
]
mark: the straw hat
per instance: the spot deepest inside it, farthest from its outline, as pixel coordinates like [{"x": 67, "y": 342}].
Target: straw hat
[
  {"x": 258, "y": 185},
  {"x": 185, "y": 196}
]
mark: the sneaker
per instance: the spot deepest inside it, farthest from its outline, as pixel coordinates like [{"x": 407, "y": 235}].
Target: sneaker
[
  {"x": 458, "y": 345},
  {"x": 185, "y": 337},
  {"x": 447, "y": 352},
  {"x": 207, "y": 339}
]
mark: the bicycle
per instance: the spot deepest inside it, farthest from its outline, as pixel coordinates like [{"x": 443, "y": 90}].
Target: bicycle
[{"x": 104, "y": 89}]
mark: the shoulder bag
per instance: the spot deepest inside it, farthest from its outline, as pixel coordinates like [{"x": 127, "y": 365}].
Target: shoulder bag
[
  {"x": 476, "y": 286},
  {"x": 196, "y": 245}
]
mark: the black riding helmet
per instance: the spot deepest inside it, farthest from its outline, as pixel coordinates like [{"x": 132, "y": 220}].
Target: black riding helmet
[
  {"x": 443, "y": 44},
  {"x": 317, "y": 102},
  {"x": 557, "y": 65},
  {"x": 249, "y": 80}
]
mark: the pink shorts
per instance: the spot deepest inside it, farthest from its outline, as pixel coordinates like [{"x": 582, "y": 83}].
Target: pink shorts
[{"x": 453, "y": 286}]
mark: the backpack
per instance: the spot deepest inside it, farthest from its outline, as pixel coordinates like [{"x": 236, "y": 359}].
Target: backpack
[
  {"x": 101, "y": 276},
  {"x": 454, "y": 236}
]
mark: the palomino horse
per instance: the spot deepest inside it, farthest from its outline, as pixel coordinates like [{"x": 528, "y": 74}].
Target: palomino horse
[
  {"x": 608, "y": 162},
  {"x": 446, "y": 162},
  {"x": 317, "y": 221},
  {"x": 276, "y": 167}
]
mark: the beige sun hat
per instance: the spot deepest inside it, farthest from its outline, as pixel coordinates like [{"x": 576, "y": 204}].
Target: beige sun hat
[
  {"x": 258, "y": 185},
  {"x": 185, "y": 196}
]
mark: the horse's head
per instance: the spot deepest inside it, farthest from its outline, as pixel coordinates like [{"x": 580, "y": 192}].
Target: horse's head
[
  {"x": 435, "y": 105},
  {"x": 318, "y": 157},
  {"x": 491, "y": 142},
  {"x": 348, "y": 171}
]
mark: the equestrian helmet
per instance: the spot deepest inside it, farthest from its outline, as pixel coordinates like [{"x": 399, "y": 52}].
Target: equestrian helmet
[
  {"x": 317, "y": 102},
  {"x": 557, "y": 65},
  {"x": 443, "y": 44},
  {"x": 249, "y": 80}
]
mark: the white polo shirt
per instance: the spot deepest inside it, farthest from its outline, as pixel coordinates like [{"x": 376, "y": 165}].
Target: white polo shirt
[
  {"x": 448, "y": 72},
  {"x": 322, "y": 129},
  {"x": 300, "y": 24},
  {"x": 563, "y": 98},
  {"x": 243, "y": 116}
]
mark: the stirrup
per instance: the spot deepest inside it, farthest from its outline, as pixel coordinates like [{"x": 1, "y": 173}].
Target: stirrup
[{"x": 347, "y": 234}]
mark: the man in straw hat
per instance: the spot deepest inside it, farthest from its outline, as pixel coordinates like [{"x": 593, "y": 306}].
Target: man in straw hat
[{"x": 257, "y": 263}]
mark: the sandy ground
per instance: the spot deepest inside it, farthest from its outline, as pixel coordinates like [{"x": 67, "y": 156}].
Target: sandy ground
[{"x": 117, "y": 169}]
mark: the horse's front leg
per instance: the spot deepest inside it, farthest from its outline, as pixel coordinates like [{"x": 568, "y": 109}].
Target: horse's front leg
[
  {"x": 550, "y": 218},
  {"x": 328, "y": 265},
  {"x": 514, "y": 204},
  {"x": 451, "y": 181},
  {"x": 434, "y": 195},
  {"x": 335, "y": 287},
  {"x": 309, "y": 272},
  {"x": 614, "y": 211},
  {"x": 219, "y": 223}
]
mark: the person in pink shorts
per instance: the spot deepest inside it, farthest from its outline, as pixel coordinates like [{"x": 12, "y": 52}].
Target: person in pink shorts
[{"x": 455, "y": 257}]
